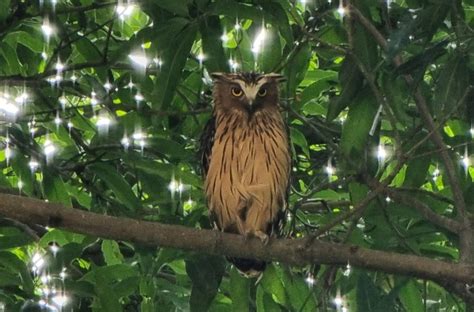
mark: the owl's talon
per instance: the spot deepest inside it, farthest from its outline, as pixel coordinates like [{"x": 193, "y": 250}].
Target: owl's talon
[{"x": 263, "y": 237}]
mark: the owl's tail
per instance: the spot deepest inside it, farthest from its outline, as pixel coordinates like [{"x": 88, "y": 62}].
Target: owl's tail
[{"x": 248, "y": 267}]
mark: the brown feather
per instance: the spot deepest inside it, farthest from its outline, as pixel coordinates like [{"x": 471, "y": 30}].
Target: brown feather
[{"x": 248, "y": 173}]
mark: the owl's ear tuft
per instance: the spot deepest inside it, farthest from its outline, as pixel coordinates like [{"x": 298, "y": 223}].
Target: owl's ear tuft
[
  {"x": 218, "y": 76},
  {"x": 277, "y": 77}
]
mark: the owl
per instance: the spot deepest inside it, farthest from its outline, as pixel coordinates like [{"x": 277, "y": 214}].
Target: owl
[{"x": 246, "y": 159}]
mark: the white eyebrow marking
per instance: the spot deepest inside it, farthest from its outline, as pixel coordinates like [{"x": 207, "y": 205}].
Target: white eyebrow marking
[{"x": 251, "y": 89}]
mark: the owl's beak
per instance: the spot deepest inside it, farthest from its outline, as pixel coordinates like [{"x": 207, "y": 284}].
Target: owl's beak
[
  {"x": 251, "y": 104},
  {"x": 251, "y": 94}
]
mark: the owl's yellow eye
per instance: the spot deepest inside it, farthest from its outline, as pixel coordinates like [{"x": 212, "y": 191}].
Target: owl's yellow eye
[
  {"x": 237, "y": 92},
  {"x": 262, "y": 92}
]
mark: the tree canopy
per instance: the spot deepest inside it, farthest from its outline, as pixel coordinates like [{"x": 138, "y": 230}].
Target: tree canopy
[{"x": 102, "y": 104}]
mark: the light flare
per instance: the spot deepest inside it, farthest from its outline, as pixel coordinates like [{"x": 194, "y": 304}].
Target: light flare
[
  {"x": 381, "y": 153},
  {"x": 49, "y": 149},
  {"x": 34, "y": 165},
  {"x": 124, "y": 10},
  {"x": 139, "y": 59},
  {"x": 310, "y": 280},
  {"x": 60, "y": 300},
  {"x": 258, "y": 43},
  {"x": 175, "y": 186},
  {"x": 7, "y": 107},
  {"x": 125, "y": 142},
  {"x": 47, "y": 29},
  {"x": 38, "y": 262}
]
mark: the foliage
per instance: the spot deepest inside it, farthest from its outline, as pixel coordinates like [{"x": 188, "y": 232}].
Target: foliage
[{"x": 102, "y": 104}]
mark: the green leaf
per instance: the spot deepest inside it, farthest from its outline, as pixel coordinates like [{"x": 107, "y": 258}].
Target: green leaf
[
  {"x": 174, "y": 59},
  {"x": 312, "y": 92},
  {"x": 365, "y": 47},
  {"x": 418, "y": 63},
  {"x": 416, "y": 172},
  {"x": 177, "y": 7},
  {"x": 215, "y": 60},
  {"x": 111, "y": 251},
  {"x": 273, "y": 285},
  {"x": 109, "y": 300},
  {"x": 20, "y": 166},
  {"x": 4, "y": 10},
  {"x": 295, "y": 70},
  {"x": 87, "y": 49},
  {"x": 271, "y": 56},
  {"x": 11, "y": 237},
  {"x": 358, "y": 192},
  {"x": 29, "y": 40},
  {"x": 299, "y": 294},
  {"x": 453, "y": 82},
  {"x": 234, "y": 9},
  {"x": 431, "y": 18},
  {"x": 13, "y": 263},
  {"x": 397, "y": 94},
  {"x": 15, "y": 240},
  {"x": 298, "y": 138},
  {"x": 358, "y": 124},
  {"x": 265, "y": 302},
  {"x": 11, "y": 58},
  {"x": 239, "y": 292},
  {"x": 279, "y": 18},
  {"x": 9, "y": 279},
  {"x": 367, "y": 294},
  {"x": 166, "y": 171},
  {"x": 351, "y": 81},
  {"x": 127, "y": 286},
  {"x": 55, "y": 235},
  {"x": 206, "y": 273},
  {"x": 411, "y": 297},
  {"x": 112, "y": 273},
  {"x": 169, "y": 147},
  {"x": 117, "y": 184},
  {"x": 55, "y": 189}
]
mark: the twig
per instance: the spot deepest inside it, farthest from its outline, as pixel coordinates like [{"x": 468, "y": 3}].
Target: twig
[
  {"x": 436, "y": 196},
  {"x": 425, "y": 211}
]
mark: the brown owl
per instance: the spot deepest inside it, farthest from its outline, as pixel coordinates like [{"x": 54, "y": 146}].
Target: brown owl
[{"x": 246, "y": 159}]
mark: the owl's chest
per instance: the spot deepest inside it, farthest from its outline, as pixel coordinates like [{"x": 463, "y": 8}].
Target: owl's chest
[{"x": 251, "y": 152}]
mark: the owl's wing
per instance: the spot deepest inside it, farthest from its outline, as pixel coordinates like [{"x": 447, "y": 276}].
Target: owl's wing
[
  {"x": 207, "y": 141},
  {"x": 280, "y": 221}
]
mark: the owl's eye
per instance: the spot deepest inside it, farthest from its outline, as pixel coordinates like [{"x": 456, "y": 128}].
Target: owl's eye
[
  {"x": 237, "y": 92},
  {"x": 262, "y": 92}
]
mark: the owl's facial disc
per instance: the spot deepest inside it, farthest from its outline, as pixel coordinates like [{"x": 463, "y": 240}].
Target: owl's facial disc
[{"x": 252, "y": 91}]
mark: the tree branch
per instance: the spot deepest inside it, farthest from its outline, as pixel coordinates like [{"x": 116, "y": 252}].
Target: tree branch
[
  {"x": 425, "y": 211},
  {"x": 291, "y": 251}
]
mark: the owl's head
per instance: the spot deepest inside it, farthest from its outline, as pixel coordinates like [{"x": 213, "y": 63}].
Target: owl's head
[{"x": 246, "y": 92}]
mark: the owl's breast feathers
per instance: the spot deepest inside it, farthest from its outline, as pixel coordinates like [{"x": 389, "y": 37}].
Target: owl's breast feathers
[{"x": 247, "y": 166}]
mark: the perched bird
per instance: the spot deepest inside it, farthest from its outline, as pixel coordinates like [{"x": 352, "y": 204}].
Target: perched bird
[{"x": 246, "y": 159}]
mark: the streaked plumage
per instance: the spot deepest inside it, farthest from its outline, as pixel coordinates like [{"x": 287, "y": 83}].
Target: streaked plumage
[{"x": 246, "y": 159}]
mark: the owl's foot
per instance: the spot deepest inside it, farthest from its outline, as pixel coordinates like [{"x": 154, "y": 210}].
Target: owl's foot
[{"x": 263, "y": 237}]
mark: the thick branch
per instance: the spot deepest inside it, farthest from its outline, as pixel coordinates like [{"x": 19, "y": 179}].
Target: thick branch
[{"x": 291, "y": 251}]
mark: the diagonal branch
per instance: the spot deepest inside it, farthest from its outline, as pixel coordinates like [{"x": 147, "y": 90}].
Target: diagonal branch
[
  {"x": 291, "y": 251},
  {"x": 427, "y": 213}
]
